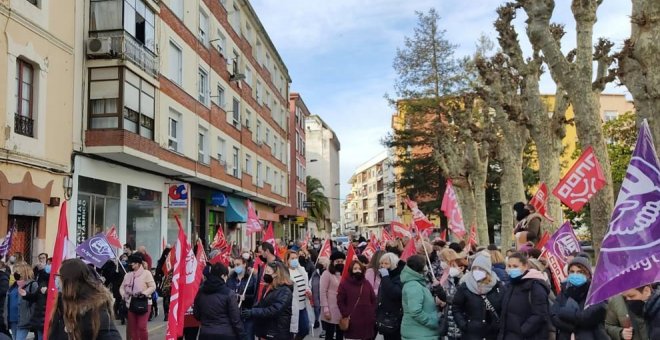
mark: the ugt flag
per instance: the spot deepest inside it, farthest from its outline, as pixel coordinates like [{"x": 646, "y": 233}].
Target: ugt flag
[
  {"x": 96, "y": 250},
  {"x": 631, "y": 249},
  {"x": 453, "y": 211},
  {"x": 581, "y": 182}
]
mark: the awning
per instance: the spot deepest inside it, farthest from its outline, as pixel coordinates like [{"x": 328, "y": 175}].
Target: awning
[{"x": 236, "y": 210}]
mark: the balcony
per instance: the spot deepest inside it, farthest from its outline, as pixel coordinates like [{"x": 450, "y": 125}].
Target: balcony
[
  {"x": 124, "y": 46},
  {"x": 23, "y": 125}
]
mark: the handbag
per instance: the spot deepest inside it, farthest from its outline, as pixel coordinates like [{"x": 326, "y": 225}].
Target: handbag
[
  {"x": 344, "y": 323},
  {"x": 139, "y": 304}
]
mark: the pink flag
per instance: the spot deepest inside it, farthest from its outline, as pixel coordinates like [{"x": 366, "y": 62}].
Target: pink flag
[
  {"x": 540, "y": 202},
  {"x": 472, "y": 241},
  {"x": 269, "y": 235},
  {"x": 400, "y": 230},
  {"x": 419, "y": 219},
  {"x": 384, "y": 238},
  {"x": 252, "y": 225},
  {"x": 581, "y": 182},
  {"x": 453, "y": 211},
  {"x": 219, "y": 240},
  {"x": 409, "y": 251},
  {"x": 326, "y": 250},
  {"x": 113, "y": 239}
]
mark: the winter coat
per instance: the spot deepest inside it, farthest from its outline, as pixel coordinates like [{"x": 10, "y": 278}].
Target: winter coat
[
  {"x": 570, "y": 317},
  {"x": 272, "y": 314},
  {"x": 329, "y": 285},
  {"x": 4, "y": 288},
  {"x": 373, "y": 276},
  {"x": 617, "y": 317},
  {"x": 652, "y": 315},
  {"x": 500, "y": 271},
  {"x": 451, "y": 287},
  {"x": 357, "y": 301},
  {"x": 216, "y": 307},
  {"x": 107, "y": 330},
  {"x": 315, "y": 287},
  {"x": 390, "y": 294},
  {"x": 13, "y": 300},
  {"x": 238, "y": 286},
  {"x": 135, "y": 282},
  {"x": 420, "y": 318},
  {"x": 25, "y": 307},
  {"x": 525, "y": 311},
  {"x": 471, "y": 315},
  {"x": 37, "y": 301},
  {"x": 296, "y": 304}
]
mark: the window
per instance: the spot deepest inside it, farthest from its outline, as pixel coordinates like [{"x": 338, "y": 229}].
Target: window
[
  {"x": 282, "y": 182},
  {"x": 203, "y": 87},
  {"x": 248, "y": 75},
  {"x": 23, "y": 118},
  {"x": 34, "y": 2},
  {"x": 258, "y": 132},
  {"x": 176, "y": 63},
  {"x": 220, "y": 100},
  {"x": 221, "y": 43},
  {"x": 275, "y": 143},
  {"x": 203, "y": 28},
  {"x": 611, "y": 115},
  {"x": 104, "y": 102},
  {"x": 260, "y": 181},
  {"x": 177, "y": 8},
  {"x": 235, "y": 164},
  {"x": 297, "y": 141},
  {"x": 282, "y": 152},
  {"x": 139, "y": 105},
  {"x": 235, "y": 20},
  {"x": 222, "y": 144},
  {"x": 267, "y": 139},
  {"x": 202, "y": 146},
  {"x": 174, "y": 131},
  {"x": 248, "y": 118},
  {"x": 268, "y": 179},
  {"x": 139, "y": 21},
  {"x": 248, "y": 164},
  {"x": 258, "y": 92},
  {"x": 236, "y": 113}
]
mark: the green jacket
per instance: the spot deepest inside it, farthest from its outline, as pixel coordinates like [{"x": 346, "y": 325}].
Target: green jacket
[
  {"x": 420, "y": 317},
  {"x": 616, "y": 318}
]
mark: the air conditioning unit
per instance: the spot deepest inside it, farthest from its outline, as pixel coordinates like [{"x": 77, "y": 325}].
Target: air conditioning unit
[{"x": 99, "y": 46}]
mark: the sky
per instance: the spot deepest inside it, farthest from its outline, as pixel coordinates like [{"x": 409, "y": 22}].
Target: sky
[{"x": 339, "y": 54}]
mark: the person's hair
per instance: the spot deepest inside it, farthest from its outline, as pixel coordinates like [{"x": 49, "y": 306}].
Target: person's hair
[
  {"x": 82, "y": 293},
  {"x": 375, "y": 260},
  {"x": 268, "y": 247},
  {"x": 24, "y": 270},
  {"x": 3, "y": 265},
  {"x": 440, "y": 243},
  {"x": 461, "y": 262},
  {"x": 240, "y": 258},
  {"x": 455, "y": 247},
  {"x": 219, "y": 269},
  {"x": 288, "y": 255},
  {"x": 127, "y": 245},
  {"x": 416, "y": 263},
  {"x": 496, "y": 256},
  {"x": 282, "y": 272},
  {"x": 534, "y": 253},
  {"x": 448, "y": 255},
  {"x": 394, "y": 260},
  {"x": 363, "y": 268},
  {"x": 492, "y": 247},
  {"x": 363, "y": 259},
  {"x": 520, "y": 256}
]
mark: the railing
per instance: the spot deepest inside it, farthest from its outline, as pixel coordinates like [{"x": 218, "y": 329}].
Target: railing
[
  {"x": 123, "y": 45},
  {"x": 23, "y": 125}
]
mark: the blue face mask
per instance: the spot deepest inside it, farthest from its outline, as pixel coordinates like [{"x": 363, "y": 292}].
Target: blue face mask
[
  {"x": 239, "y": 270},
  {"x": 294, "y": 263},
  {"x": 515, "y": 273},
  {"x": 58, "y": 285},
  {"x": 47, "y": 269},
  {"x": 577, "y": 279}
]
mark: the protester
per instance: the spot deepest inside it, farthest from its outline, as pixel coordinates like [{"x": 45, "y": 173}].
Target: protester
[
  {"x": 329, "y": 285},
  {"x": 41, "y": 264},
  {"x": 315, "y": 286},
  {"x": 246, "y": 291},
  {"x": 568, "y": 313},
  {"x": 273, "y": 310},
  {"x": 84, "y": 305},
  {"x": 456, "y": 270},
  {"x": 4, "y": 288},
  {"x": 525, "y": 303},
  {"x": 216, "y": 307},
  {"x": 372, "y": 275},
  {"x": 145, "y": 256},
  {"x": 24, "y": 284},
  {"x": 420, "y": 318},
  {"x": 621, "y": 323},
  {"x": 137, "y": 285},
  {"x": 301, "y": 292},
  {"x": 478, "y": 302},
  {"x": 35, "y": 297},
  {"x": 357, "y": 302},
  {"x": 645, "y": 301},
  {"x": 128, "y": 250},
  {"x": 305, "y": 261},
  {"x": 528, "y": 228},
  {"x": 390, "y": 309},
  {"x": 436, "y": 259},
  {"x": 13, "y": 301},
  {"x": 499, "y": 266}
]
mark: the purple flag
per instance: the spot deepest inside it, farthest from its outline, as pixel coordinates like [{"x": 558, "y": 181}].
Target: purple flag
[
  {"x": 6, "y": 243},
  {"x": 96, "y": 250},
  {"x": 560, "y": 245},
  {"x": 631, "y": 248}
]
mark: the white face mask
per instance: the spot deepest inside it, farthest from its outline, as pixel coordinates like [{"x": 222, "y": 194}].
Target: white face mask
[
  {"x": 245, "y": 256},
  {"x": 478, "y": 275},
  {"x": 444, "y": 265},
  {"x": 454, "y": 272}
]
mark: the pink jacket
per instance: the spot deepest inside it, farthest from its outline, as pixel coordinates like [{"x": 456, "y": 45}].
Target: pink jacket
[
  {"x": 328, "y": 287},
  {"x": 374, "y": 279},
  {"x": 140, "y": 281}
]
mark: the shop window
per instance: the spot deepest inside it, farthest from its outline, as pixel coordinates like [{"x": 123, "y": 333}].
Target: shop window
[
  {"x": 98, "y": 207},
  {"x": 143, "y": 216}
]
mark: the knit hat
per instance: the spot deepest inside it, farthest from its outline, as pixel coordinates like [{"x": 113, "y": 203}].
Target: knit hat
[
  {"x": 582, "y": 261},
  {"x": 135, "y": 258},
  {"x": 337, "y": 255},
  {"x": 482, "y": 260}
]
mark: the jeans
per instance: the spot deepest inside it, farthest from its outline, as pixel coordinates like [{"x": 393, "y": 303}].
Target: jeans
[
  {"x": 21, "y": 333},
  {"x": 13, "y": 327},
  {"x": 248, "y": 326},
  {"x": 332, "y": 329},
  {"x": 136, "y": 327},
  {"x": 190, "y": 333},
  {"x": 317, "y": 314},
  {"x": 303, "y": 324}
]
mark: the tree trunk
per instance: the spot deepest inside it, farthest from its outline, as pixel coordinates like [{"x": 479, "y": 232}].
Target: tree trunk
[
  {"x": 478, "y": 174},
  {"x": 512, "y": 188},
  {"x": 465, "y": 196}
]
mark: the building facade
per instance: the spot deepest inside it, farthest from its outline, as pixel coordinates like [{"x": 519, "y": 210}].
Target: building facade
[
  {"x": 322, "y": 156},
  {"x": 372, "y": 201},
  {"x": 38, "y": 47},
  {"x": 185, "y": 115}
]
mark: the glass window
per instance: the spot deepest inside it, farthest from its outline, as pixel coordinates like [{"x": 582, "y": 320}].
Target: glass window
[
  {"x": 24, "y": 119},
  {"x": 202, "y": 146},
  {"x": 221, "y": 150},
  {"x": 176, "y": 63},
  {"x": 174, "y": 130},
  {"x": 177, "y": 8},
  {"x": 203, "y": 86},
  {"x": 221, "y": 43},
  {"x": 220, "y": 100},
  {"x": 98, "y": 207},
  {"x": 248, "y": 164},
  {"x": 236, "y": 113},
  {"x": 236, "y": 164},
  {"x": 139, "y": 21},
  {"x": 203, "y": 28},
  {"x": 143, "y": 216}
]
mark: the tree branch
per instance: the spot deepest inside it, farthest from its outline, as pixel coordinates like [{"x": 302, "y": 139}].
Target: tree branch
[{"x": 604, "y": 74}]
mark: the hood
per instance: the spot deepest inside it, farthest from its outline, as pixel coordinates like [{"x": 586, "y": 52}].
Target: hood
[
  {"x": 652, "y": 306},
  {"x": 399, "y": 268},
  {"x": 499, "y": 266},
  {"x": 534, "y": 274},
  {"x": 212, "y": 285},
  {"x": 409, "y": 275}
]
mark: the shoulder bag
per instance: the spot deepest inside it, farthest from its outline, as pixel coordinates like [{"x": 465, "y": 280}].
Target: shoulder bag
[
  {"x": 139, "y": 304},
  {"x": 344, "y": 323}
]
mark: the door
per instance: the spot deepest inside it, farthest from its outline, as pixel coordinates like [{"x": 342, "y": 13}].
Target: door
[
  {"x": 95, "y": 214},
  {"x": 26, "y": 231}
]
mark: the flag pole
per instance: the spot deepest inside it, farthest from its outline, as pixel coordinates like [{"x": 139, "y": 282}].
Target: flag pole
[
  {"x": 428, "y": 258},
  {"x": 246, "y": 287}
]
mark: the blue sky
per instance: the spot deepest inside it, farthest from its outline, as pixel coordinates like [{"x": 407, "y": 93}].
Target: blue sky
[{"x": 339, "y": 54}]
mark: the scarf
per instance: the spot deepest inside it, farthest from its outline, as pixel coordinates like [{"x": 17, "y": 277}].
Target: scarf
[{"x": 479, "y": 288}]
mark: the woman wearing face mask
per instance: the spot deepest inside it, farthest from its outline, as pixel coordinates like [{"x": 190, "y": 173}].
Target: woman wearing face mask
[
  {"x": 329, "y": 284},
  {"x": 238, "y": 282},
  {"x": 300, "y": 303},
  {"x": 499, "y": 264},
  {"x": 216, "y": 307},
  {"x": 273, "y": 310},
  {"x": 138, "y": 283},
  {"x": 373, "y": 275},
  {"x": 390, "y": 310},
  {"x": 420, "y": 317},
  {"x": 568, "y": 314},
  {"x": 315, "y": 286},
  {"x": 455, "y": 271},
  {"x": 357, "y": 301},
  {"x": 644, "y": 302},
  {"x": 524, "y": 303},
  {"x": 19, "y": 312},
  {"x": 478, "y": 302},
  {"x": 37, "y": 299},
  {"x": 625, "y": 318}
]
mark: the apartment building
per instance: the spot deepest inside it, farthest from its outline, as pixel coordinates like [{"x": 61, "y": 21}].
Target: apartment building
[
  {"x": 372, "y": 201},
  {"x": 186, "y": 114},
  {"x": 37, "y": 49}
]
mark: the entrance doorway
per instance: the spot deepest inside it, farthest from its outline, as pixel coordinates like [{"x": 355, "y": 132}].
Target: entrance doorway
[{"x": 26, "y": 231}]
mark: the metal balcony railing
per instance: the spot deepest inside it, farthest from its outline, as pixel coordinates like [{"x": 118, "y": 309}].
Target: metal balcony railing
[
  {"x": 23, "y": 125},
  {"x": 124, "y": 46}
]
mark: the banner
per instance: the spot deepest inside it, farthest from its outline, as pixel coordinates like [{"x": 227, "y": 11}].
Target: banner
[
  {"x": 544, "y": 239},
  {"x": 400, "y": 230},
  {"x": 177, "y": 195},
  {"x": 269, "y": 235},
  {"x": 370, "y": 250},
  {"x": 581, "y": 182},
  {"x": 633, "y": 240},
  {"x": 419, "y": 219},
  {"x": 540, "y": 201},
  {"x": 473, "y": 239},
  {"x": 559, "y": 246},
  {"x": 96, "y": 250},
  {"x": 219, "y": 240},
  {"x": 452, "y": 210},
  {"x": 350, "y": 256},
  {"x": 409, "y": 250},
  {"x": 252, "y": 225},
  {"x": 6, "y": 243},
  {"x": 326, "y": 250}
]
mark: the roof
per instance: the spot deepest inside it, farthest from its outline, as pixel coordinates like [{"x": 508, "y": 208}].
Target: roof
[
  {"x": 379, "y": 158},
  {"x": 327, "y": 127}
]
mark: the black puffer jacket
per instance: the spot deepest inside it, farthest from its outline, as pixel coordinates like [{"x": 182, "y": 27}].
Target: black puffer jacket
[
  {"x": 471, "y": 315},
  {"x": 570, "y": 317},
  {"x": 652, "y": 315},
  {"x": 216, "y": 307},
  {"x": 272, "y": 314},
  {"x": 37, "y": 300},
  {"x": 525, "y": 311},
  {"x": 389, "y": 295}
]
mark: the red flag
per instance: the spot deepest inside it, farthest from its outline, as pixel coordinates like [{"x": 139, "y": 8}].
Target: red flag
[
  {"x": 350, "y": 256},
  {"x": 581, "y": 182},
  {"x": 201, "y": 256},
  {"x": 443, "y": 235},
  {"x": 113, "y": 238},
  {"x": 544, "y": 239},
  {"x": 306, "y": 241},
  {"x": 452, "y": 210},
  {"x": 384, "y": 238},
  {"x": 419, "y": 219},
  {"x": 540, "y": 201},
  {"x": 60, "y": 252},
  {"x": 326, "y": 250},
  {"x": 252, "y": 225},
  {"x": 409, "y": 251},
  {"x": 400, "y": 230},
  {"x": 219, "y": 240},
  {"x": 472, "y": 241},
  {"x": 370, "y": 250},
  {"x": 269, "y": 235}
]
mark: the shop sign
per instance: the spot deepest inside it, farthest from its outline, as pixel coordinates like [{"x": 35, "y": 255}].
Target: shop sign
[
  {"x": 218, "y": 199},
  {"x": 178, "y": 195},
  {"x": 81, "y": 221}
]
